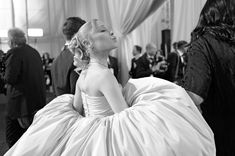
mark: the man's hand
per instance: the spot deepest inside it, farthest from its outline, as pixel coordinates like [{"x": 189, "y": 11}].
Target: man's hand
[{"x": 160, "y": 67}]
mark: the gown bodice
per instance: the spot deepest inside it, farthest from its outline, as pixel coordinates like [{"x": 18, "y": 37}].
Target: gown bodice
[{"x": 96, "y": 106}]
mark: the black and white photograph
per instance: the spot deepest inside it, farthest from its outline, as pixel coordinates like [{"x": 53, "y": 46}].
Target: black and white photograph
[{"x": 117, "y": 78}]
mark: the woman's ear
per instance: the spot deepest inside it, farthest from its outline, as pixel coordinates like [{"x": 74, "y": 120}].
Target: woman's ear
[{"x": 87, "y": 43}]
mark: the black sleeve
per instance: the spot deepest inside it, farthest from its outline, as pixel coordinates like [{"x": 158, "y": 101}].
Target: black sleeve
[
  {"x": 13, "y": 66},
  {"x": 197, "y": 78}
]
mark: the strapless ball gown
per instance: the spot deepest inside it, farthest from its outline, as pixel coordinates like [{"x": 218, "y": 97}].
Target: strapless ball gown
[{"x": 162, "y": 120}]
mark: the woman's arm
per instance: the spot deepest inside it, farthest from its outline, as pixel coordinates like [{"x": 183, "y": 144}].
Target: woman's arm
[
  {"x": 112, "y": 92},
  {"x": 77, "y": 102}
]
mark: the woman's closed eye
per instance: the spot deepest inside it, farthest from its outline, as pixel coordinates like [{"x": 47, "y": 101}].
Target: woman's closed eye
[{"x": 103, "y": 30}]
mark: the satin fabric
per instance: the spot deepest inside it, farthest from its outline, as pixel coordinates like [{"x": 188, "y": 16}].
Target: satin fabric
[{"x": 162, "y": 120}]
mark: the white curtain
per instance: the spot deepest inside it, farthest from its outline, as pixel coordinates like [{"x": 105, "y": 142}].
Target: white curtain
[
  {"x": 185, "y": 17},
  {"x": 126, "y": 15},
  {"x": 45, "y": 14}
]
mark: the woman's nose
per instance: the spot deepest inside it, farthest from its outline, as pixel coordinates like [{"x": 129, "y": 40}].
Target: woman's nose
[{"x": 111, "y": 33}]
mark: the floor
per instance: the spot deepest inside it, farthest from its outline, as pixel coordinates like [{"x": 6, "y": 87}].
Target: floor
[{"x": 3, "y": 102}]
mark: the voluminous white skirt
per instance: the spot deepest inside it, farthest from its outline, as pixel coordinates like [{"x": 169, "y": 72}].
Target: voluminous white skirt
[{"x": 162, "y": 121}]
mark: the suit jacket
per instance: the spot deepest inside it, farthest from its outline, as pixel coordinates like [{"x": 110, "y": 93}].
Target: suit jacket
[
  {"x": 132, "y": 71},
  {"x": 182, "y": 65},
  {"x": 25, "y": 81},
  {"x": 113, "y": 63},
  {"x": 143, "y": 69},
  {"x": 176, "y": 66},
  {"x": 173, "y": 67},
  {"x": 63, "y": 75}
]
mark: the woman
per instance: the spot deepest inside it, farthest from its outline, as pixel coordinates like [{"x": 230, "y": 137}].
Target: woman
[
  {"x": 154, "y": 117},
  {"x": 210, "y": 73}
]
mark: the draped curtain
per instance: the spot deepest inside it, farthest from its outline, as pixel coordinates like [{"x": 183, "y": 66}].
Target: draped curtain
[
  {"x": 129, "y": 14},
  {"x": 185, "y": 17}
]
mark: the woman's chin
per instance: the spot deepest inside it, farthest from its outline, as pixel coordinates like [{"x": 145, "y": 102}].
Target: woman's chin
[{"x": 115, "y": 45}]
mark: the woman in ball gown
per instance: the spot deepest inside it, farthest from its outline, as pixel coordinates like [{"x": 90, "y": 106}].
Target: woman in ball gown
[{"x": 148, "y": 117}]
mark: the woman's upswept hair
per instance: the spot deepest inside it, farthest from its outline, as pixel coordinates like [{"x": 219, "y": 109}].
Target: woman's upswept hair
[
  {"x": 81, "y": 44},
  {"x": 78, "y": 44},
  {"x": 218, "y": 18}
]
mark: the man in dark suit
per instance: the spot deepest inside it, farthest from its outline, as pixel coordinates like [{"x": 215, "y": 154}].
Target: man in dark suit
[
  {"x": 182, "y": 52},
  {"x": 137, "y": 54},
  {"x": 177, "y": 60},
  {"x": 148, "y": 64},
  {"x": 173, "y": 67},
  {"x": 25, "y": 85},
  {"x": 63, "y": 72}
]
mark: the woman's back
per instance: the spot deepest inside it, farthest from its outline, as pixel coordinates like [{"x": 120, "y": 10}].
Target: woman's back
[{"x": 91, "y": 79}]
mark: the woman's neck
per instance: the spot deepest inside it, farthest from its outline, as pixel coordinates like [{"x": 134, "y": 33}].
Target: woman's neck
[
  {"x": 103, "y": 62},
  {"x": 99, "y": 58}
]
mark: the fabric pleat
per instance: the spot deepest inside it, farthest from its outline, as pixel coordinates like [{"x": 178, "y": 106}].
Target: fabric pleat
[{"x": 162, "y": 120}]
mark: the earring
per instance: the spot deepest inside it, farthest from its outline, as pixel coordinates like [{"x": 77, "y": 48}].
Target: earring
[{"x": 87, "y": 43}]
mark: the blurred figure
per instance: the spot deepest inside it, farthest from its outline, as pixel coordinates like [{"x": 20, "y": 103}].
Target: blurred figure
[
  {"x": 47, "y": 62},
  {"x": 25, "y": 85},
  {"x": 136, "y": 55},
  {"x": 1, "y": 53},
  {"x": 148, "y": 65},
  {"x": 177, "y": 60},
  {"x": 113, "y": 65},
  {"x": 46, "y": 59},
  {"x": 63, "y": 72},
  {"x": 210, "y": 72},
  {"x": 2, "y": 71},
  {"x": 173, "y": 67},
  {"x": 182, "y": 47}
]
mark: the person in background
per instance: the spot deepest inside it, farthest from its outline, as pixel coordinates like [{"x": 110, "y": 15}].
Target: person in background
[
  {"x": 173, "y": 67},
  {"x": 47, "y": 62},
  {"x": 177, "y": 60},
  {"x": 136, "y": 55},
  {"x": 113, "y": 65},
  {"x": 63, "y": 72},
  {"x": 148, "y": 64},
  {"x": 25, "y": 85},
  {"x": 1, "y": 53},
  {"x": 159, "y": 56},
  {"x": 182, "y": 47},
  {"x": 210, "y": 71},
  {"x": 2, "y": 71}
]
